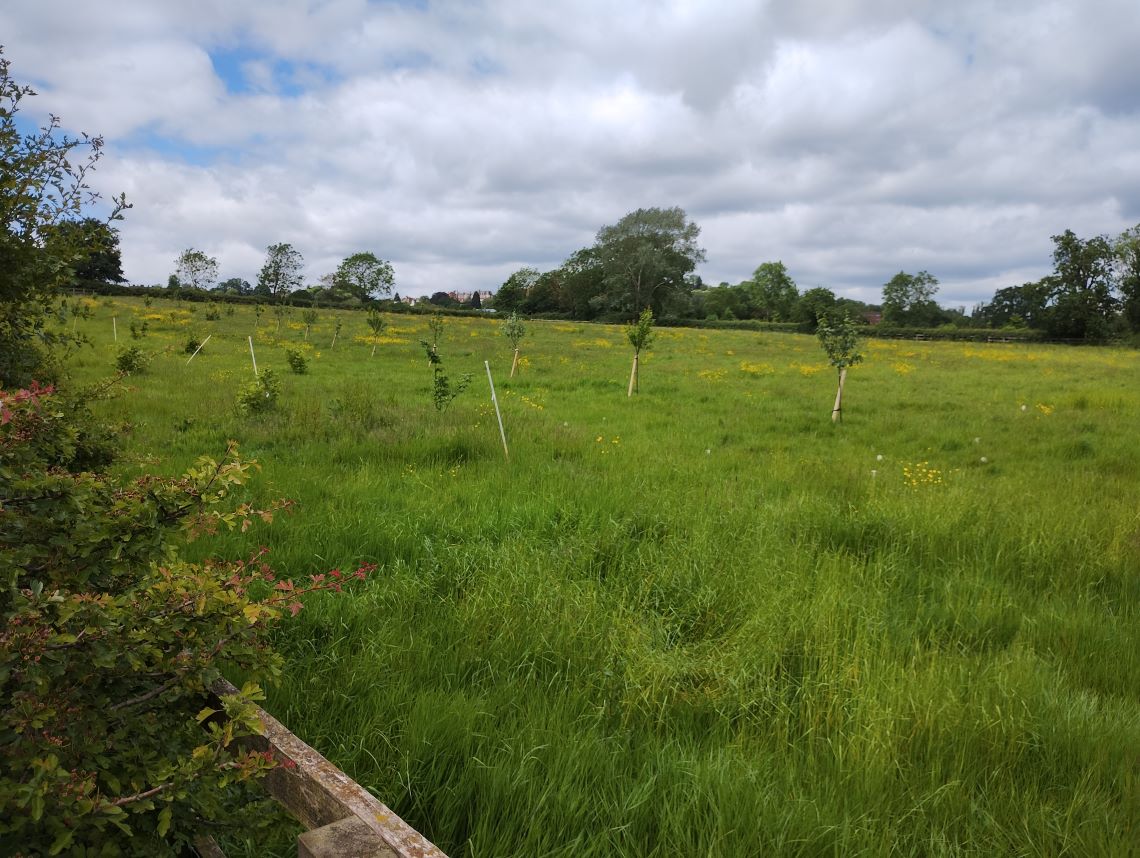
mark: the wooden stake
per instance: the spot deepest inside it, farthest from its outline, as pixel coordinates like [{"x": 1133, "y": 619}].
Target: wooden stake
[
  {"x": 632, "y": 376},
  {"x": 253, "y": 357},
  {"x": 514, "y": 363},
  {"x": 335, "y": 333},
  {"x": 374, "y": 350},
  {"x": 495, "y": 401},
  {"x": 200, "y": 349},
  {"x": 837, "y": 411},
  {"x": 115, "y": 327}
]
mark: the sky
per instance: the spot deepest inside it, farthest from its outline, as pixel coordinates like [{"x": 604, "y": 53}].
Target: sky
[{"x": 849, "y": 139}]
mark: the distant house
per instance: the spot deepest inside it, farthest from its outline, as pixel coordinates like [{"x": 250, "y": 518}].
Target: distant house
[{"x": 872, "y": 317}]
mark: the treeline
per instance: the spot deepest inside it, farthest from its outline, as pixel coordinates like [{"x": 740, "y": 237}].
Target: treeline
[
  {"x": 1093, "y": 293},
  {"x": 648, "y": 259}
]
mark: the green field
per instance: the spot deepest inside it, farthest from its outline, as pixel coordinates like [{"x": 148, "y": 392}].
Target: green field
[{"x": 703, "y": 620}]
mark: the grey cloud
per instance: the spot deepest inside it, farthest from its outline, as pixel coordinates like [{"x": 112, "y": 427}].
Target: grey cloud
[{"x": 849, "y": 139}]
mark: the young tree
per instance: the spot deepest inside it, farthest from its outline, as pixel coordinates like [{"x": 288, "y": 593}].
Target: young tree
[
  {"x": 309, "y": 317},
  {"x": 840, "y": 340},
  {"x": 195, "y": 269},
  {"x": 43, "y": 184},
  {"x": 645, "y": 257},
  {"x": 443, "y": 392},
  {"x": 640, "y": 334},
  {"x": 514, "y": 330},
  {"x": 282, "y": 271},
  {"x": 377, "y": 324},
  {"x": 364, "y": 275}
]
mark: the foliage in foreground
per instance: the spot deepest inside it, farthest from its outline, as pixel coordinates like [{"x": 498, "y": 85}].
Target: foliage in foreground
[{"x": 110, "y": 641}]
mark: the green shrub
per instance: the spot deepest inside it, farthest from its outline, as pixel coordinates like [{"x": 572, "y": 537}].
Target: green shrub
[
  {"x": 192, "y": 345},
  {"x": 260, "y": 395},
  {"x": 110, "y": 641},
  {"x": 297, "y": 361},
  {"x": 131, "y": 360}
]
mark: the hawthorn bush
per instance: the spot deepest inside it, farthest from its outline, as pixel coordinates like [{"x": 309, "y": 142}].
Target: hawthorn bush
[{"x": 109, "y": 643}]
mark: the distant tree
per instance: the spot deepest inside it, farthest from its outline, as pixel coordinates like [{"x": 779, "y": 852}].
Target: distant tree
[
  {"x": 363, "y": 276},
  {"x": 640, "y": 334},
  {"x": 1126, "y": 250},
  {"x": 442, "y": 299},
  {"x": 772, "y": 292},
  {"x": 97, "y": 246},
  {"x": 839, "y": 338},
  {"x": 1018, "y": 306},
  {"x": 1082, "y": 280},
  {"x": 581, "y": 284},
  {"x": 512, "y": 293},
  {"x": 543, "y": 295},
  {"x": 195, "y": 270},
  {"x": 815, "y": 305},
  {"x": 726, "y": 302},
  {"x": 908, "y": 299},
  {"x": 645, "y": 258},
  {"x": 234, "y": 286},
  {"x": 476, "y": 302},
  {"x": 282, "y": 271}
]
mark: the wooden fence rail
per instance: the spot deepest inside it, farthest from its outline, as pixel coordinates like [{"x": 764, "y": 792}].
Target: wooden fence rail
[{"x": 343, "y": 818}]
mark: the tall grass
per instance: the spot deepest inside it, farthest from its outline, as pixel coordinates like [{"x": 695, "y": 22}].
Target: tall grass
[{"x": 702, "y": 621}]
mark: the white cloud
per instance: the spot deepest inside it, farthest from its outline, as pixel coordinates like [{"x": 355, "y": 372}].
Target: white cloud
[{"x": 849, "y": 139}]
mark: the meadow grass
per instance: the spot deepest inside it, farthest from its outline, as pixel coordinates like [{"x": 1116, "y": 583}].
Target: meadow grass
[{"x": 703, "y": 620}]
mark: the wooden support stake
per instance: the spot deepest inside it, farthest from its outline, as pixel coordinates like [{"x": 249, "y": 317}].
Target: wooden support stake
[
  {"x": 837, "y": 411},
  {"x": 514, "y": 363},
  {"x": 495, "y": 401},
  {"x": 253, "y": 357},
  {"x": 115, "y": 327},
  {"x": 632, "y": 376},
  {"x": 200, "y": 349}
]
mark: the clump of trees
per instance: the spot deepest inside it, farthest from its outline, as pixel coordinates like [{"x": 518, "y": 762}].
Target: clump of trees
[{"x": 1092, "y": 294}]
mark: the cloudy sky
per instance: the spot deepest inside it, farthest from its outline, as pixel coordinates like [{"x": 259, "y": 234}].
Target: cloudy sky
[{"x": 850, "y": 139}]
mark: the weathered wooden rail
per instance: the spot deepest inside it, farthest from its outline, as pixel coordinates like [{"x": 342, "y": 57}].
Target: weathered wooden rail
[{"x": 343, "y": 819}]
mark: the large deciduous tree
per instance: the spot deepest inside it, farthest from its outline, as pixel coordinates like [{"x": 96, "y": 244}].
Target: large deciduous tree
[
  {"x": 908, "y": 299},
  {"x": 1126, "y": 249},
  {"x": 196, "y": 269},
  {"x": 43, "y": 185},
  {"x": 1082, "y": 286},
  {"x": 513, "y": 292},
  {"x": 363, "y": 276},
  {"x": 282, "y": 271},
  {"x": 772, "y": 292},
  {"x": 645, "y": 258},
  {"x": 97, "y": 246},
  {"x": 814, "y": 306}
]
